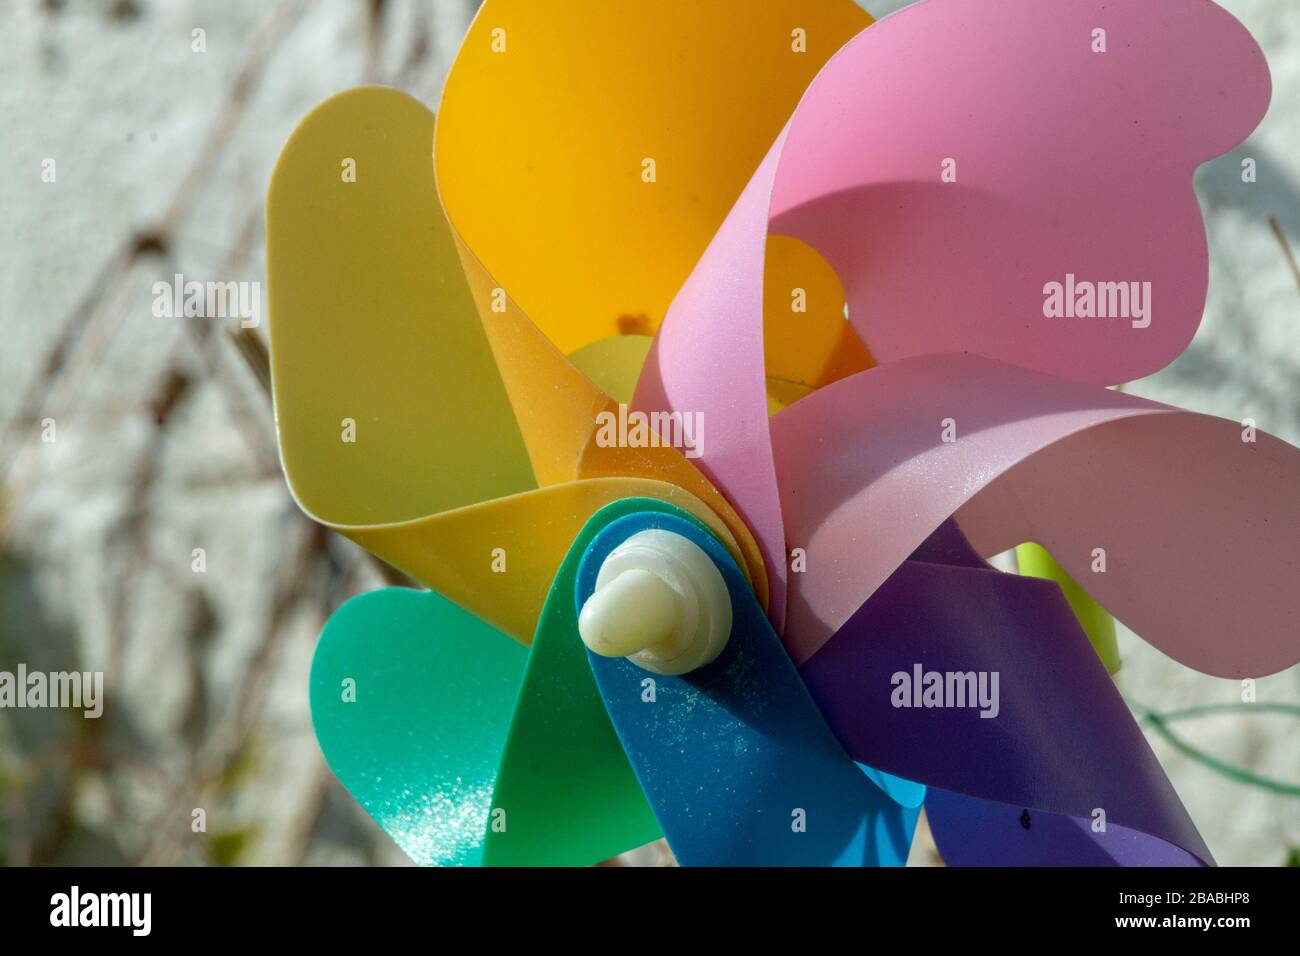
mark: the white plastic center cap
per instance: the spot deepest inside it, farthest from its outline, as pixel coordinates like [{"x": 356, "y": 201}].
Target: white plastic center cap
[{"x": 659, "y": 601}]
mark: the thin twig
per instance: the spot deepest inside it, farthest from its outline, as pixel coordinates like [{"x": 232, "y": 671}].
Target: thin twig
[{"x": 1286, "y": 248}]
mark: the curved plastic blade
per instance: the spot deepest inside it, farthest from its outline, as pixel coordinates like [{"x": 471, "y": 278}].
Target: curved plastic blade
[
  {"x": 738, "y": 764},
  {"x": 617, "y": 144},
  {"x": 983, "y": 684},
  {"x": 410, "y": 698},
  {"x": 1167, "y": 510}
]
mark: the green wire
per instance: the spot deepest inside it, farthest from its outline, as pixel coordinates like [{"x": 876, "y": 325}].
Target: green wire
[{"x": 1160, "y": 723}]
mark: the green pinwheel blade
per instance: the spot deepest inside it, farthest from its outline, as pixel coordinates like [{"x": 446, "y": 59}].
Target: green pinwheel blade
[
  {"x": 1034, "y": 561},
  {"x": 411, "y": 698},
  {"x": 568, "y": 793},
  {"x": 468, "y": 748}
]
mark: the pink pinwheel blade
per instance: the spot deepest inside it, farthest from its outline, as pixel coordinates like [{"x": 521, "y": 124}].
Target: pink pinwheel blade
[
  {"x": 1073, "y": 131},
  {"x": 1199, "y": 528},
  {"x": 1061, "y": 162}
]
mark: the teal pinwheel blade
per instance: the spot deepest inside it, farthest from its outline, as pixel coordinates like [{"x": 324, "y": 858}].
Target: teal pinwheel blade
[{"x": 411, "y": 698}]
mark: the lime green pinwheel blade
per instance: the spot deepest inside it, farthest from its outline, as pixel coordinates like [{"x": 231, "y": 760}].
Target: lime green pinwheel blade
[{"x": 1034, "y": 561}]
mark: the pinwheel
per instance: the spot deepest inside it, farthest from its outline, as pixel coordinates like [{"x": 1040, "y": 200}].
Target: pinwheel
[{"x": 697, "y": 374}]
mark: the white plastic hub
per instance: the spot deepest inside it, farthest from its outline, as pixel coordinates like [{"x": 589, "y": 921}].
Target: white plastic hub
[{"x": 659, "y": 601}]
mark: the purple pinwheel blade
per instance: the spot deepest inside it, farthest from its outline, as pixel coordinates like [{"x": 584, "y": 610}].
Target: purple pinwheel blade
[{"x": 983, "y": 684}]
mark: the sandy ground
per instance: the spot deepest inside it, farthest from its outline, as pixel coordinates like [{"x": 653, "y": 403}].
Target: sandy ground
[{"x": 164, "y": 439}]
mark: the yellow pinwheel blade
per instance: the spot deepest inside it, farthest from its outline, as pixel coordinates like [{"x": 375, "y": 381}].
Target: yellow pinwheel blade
[
  {"x": 807, "y": 340},
  {"x": 558, "y": 407},
  {"x": 498, "y": 558},
  {"x": 587, "y": 156},
  {"x": 585, "y": 159},
  {"x": 388, "y": 402},
  {"x": 394, "y": 425},
  {"x": 614, "y": 364}
]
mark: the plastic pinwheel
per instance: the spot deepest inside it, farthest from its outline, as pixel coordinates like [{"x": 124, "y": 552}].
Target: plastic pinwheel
[{"x": 696, "y": 358}]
